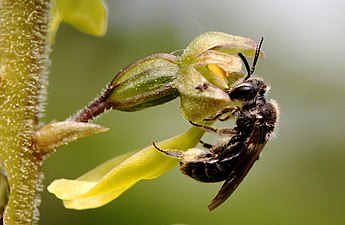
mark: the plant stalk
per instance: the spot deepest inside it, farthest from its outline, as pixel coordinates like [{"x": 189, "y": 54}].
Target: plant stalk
[{"x": 24, "y": 50}]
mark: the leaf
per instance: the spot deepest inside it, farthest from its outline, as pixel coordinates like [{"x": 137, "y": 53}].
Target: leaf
[
  {"x": 89, "y": 16},
  {"x": 109, "y": 180}
]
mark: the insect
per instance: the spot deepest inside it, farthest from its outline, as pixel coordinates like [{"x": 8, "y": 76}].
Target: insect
[{"x": 255, "y": 122}]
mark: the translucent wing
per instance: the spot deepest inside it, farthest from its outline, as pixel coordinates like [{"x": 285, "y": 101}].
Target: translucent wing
[{"x": 252, "y": 150}]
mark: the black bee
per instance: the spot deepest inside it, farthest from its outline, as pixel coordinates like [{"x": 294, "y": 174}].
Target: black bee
[{"x": 255, "y": 122}]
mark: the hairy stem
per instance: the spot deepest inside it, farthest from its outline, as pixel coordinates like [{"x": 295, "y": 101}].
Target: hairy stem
[
  {"x": 93, "y": 110},
  {"x": 23, "y": 68}
]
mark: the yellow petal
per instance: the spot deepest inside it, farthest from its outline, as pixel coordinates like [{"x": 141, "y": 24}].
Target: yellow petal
[{"x": 109, "y": 180}]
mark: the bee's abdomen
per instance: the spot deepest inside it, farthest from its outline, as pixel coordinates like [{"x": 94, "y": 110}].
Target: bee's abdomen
[{"x": 208, "y": 171}]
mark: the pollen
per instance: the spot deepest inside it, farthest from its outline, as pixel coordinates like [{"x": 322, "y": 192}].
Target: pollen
[{"x": 214, "y": 68}]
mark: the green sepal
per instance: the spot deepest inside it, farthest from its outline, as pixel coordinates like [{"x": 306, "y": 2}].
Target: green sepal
[
  {"x": 199, "y": 98},
  {"x": 218, "y": 41}
]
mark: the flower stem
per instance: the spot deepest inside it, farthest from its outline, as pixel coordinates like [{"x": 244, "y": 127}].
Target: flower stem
[{"x": 91, "y": 111}]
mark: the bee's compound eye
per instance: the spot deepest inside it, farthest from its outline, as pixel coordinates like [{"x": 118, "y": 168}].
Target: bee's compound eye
[{"x": 243, "y": 92}]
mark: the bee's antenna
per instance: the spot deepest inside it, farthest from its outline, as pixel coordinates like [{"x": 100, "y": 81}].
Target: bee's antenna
[
  {"x": 245, "y": 64},
  {"x": 256, "y": 57},
  {"x": 257, "y": 53}
]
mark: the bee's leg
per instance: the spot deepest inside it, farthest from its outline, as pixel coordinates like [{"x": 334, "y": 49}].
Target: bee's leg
[
  {"x": 218, "y": 131},
  {"x": 226, "y": 110},
  {"x": 218, "y": 148},
  {"x": 206, "y": 145},
  {"x": 226, "y": 147},
  {"x": 169, "y": 152},
  {"x": 234, "y": 149}
]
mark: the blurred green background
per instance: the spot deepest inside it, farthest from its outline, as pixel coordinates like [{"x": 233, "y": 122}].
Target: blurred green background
[{"x": 300, "y": 178}]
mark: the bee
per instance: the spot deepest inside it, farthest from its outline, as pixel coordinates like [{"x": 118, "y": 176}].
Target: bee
[{"x": 231, "y": 161}]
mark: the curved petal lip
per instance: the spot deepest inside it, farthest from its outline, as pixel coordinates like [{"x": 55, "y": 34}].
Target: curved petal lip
[{"x": 109, "y": 180}]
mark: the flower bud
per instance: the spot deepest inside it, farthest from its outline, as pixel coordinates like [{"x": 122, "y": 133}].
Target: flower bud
[{"x": 145, "y": 83}]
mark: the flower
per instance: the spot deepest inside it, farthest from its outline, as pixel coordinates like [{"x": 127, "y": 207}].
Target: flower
[{"x": 200, "y": 76}]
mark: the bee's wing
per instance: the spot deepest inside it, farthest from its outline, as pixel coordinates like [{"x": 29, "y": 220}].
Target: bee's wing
[{"x": 252, "y": 151}]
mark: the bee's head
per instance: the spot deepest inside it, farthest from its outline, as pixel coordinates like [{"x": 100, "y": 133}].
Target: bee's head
[{"x": 249, "y": 88}]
